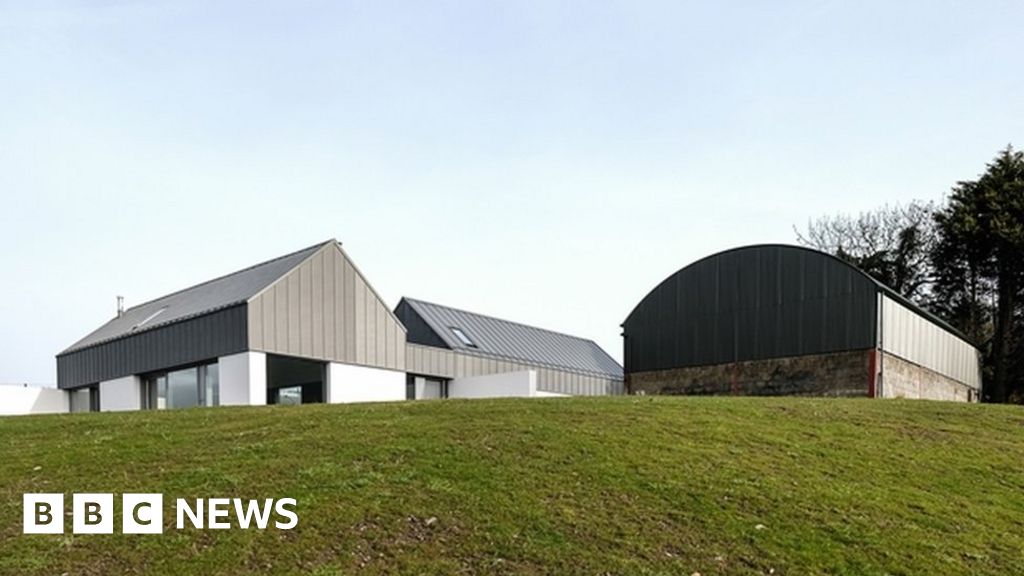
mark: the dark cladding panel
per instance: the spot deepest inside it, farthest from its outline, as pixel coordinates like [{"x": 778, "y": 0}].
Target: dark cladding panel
[
  {"x": 750, "y": 304},
  {"x": 197, "y": 339},
  {"x": 417, "y": 329}
]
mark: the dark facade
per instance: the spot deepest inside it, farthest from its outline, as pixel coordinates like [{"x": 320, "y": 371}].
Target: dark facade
[
  {"x": 418, "y": 331},
  {"x": 752, "y": 303},
  {"x": 219, "y": 333}
]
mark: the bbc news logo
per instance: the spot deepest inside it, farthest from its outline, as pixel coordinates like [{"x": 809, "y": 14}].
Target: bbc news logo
[{"x": 144, "y": 513}]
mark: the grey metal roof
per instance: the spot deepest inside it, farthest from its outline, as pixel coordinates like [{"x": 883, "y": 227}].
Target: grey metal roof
[
  {"x": 200, "y": 299},
  {"x": 510, "y": 340}
]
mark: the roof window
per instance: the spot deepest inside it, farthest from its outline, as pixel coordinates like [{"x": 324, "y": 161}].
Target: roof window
[
  {"x": 462, "y": 336},
  {"x": 148, "y": 318}
]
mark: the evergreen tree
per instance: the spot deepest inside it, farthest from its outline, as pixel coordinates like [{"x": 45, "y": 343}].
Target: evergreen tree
[{"x": 979, "y": 268}]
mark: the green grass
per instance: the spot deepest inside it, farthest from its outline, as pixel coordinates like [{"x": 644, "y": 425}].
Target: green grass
[{"x": 636, "y": 485}]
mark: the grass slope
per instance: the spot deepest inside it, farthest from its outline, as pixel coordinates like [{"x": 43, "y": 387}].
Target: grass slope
[{"x": 635, "y": 485}]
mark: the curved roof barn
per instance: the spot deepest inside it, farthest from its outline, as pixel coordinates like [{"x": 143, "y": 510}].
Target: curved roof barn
[{"x": 777, "y": 301}]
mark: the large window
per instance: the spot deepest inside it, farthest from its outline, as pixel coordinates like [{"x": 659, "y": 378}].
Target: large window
[{"x": 185, "y": 388}]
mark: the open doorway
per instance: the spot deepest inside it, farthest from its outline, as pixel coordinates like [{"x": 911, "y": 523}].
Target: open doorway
[{"x": 294, "y": 380}]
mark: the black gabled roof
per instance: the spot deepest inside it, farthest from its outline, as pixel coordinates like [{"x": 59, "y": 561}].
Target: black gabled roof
[
  {"x": 431, "y": 325},
  {"x": 212, "y": 295}
]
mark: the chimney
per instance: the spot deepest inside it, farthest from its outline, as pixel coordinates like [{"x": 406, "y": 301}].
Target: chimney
[{"x": 120, "y": 306}]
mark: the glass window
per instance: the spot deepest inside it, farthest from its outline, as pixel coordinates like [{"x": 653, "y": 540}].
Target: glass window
[
  {"x": 154, "y": 393},
  {"x": 211, "y": 385},
  {"x": 183, "y": 388},
  {"x": 148, "y": 318},
  {"x": 462, "y": 336},
  {"x": 289, "y": 395},
  {"x": 196, "y": 386}
]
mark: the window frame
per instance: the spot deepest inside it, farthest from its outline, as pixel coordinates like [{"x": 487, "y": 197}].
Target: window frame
[
  {"x": 463, "y": 337},
  {"x": 150, "y": 387}
]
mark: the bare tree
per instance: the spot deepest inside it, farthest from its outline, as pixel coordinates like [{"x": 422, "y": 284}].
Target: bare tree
[{"x": 892, "y": 244}]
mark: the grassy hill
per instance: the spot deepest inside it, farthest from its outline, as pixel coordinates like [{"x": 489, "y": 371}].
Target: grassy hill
[{"x": 635, "y": 485}]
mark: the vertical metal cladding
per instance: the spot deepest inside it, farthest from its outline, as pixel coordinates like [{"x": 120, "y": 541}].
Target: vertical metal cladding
[
  {"x": 324, "y": 308},
  {"x": 751, "y": 303},
  {"x": 444, "y": 363},
  {"x": 218, "y": 333},
  {"x": 912, "y": 337}
]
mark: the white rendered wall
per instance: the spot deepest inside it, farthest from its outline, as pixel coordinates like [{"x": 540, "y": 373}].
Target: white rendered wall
[
  {"x": 243, "y": 379},
  {"x": 15, "y": 400},
  {"x": 121, "y": 394},
  {"x": 508, "y": 384},
  {"x": 543, "y": 394},
  {"x": 348, "y": 383}
]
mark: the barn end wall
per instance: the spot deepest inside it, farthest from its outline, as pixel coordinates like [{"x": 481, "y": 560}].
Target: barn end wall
[
  {"x": 904, "y": 379},
  {"x": 833, "y": 374}
]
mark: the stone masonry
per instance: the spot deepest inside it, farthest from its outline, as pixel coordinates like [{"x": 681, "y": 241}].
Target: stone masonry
[
  {"x": 903, "y": 379},
  {"x": 835, "y": 374}
]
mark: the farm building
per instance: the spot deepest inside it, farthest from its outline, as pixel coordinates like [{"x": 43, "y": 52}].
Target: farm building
[
  {"x": 309, "y": 327},
  {"x": 788, "y": 320}
]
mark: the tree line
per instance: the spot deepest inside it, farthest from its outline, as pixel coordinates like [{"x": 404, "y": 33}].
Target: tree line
[{"x": 961, "y": 259}]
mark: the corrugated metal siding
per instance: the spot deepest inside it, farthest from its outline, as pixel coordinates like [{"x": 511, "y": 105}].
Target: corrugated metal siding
[
  {"x": 324, "y": 308},
  {"x": 750, "y": 304},
  {"x": 442, "y": 363},
  {"x": 907, "y": 334},
  {"x": 197, "y": 339}
]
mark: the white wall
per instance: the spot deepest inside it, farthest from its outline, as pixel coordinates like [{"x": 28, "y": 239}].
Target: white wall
[
  {"x": 543, "y": 394},
  {"x": 15, "y": 400},
  {"x": 348, "y": 383},
  {"x": 121, "y": 394},
  {"x": 508, "y": 384},
  {"x": 243, "y": 379}
]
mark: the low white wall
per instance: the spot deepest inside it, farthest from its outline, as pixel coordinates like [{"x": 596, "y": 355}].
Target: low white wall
[
  {"x": 542, "y": 394},
  {"x": 243, "y": 379},
  {"x": 508, "y": 384},
  {"x": 17, "y": 400},
  {"x": 121, "y": 394},
  {"x": 348, "y": 383}
]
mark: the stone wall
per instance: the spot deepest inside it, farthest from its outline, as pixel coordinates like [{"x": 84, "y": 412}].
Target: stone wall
[
  {"x": 835, "y": 374},
  {"x": 903, "y": 379}
]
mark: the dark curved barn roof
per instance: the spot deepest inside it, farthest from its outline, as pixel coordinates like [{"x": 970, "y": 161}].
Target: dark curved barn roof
[{"x": 750, "y": 303}]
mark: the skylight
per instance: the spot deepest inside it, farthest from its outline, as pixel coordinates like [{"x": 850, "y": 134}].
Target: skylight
[
  {"x": 462, "y": 336},
  {"x": 148, "y": 318}
]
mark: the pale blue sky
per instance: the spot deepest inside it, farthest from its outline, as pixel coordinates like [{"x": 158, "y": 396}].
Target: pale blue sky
[{"x": 547, "y": 162}]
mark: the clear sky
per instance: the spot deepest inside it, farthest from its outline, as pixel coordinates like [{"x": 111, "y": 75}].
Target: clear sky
[{"x": 547, "y": 162}]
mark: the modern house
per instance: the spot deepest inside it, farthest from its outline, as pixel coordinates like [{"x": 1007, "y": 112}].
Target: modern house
[
  {"x": 788, "y": 320},
  {"x": 309, "y": 327}
]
